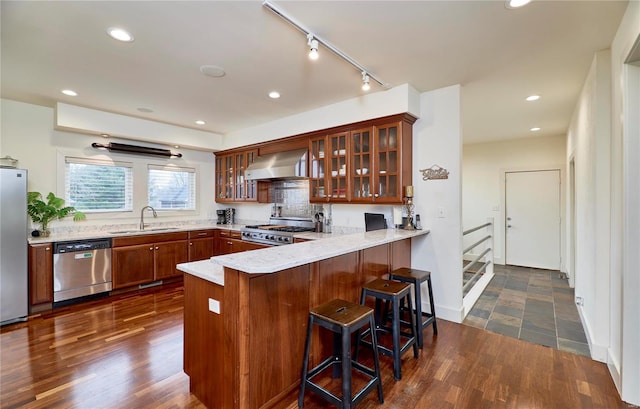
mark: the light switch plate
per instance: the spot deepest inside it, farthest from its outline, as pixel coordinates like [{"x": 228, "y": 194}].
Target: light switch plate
[
  {"x": 442, "y": 212},
  {"x": 214, "y": 306}
]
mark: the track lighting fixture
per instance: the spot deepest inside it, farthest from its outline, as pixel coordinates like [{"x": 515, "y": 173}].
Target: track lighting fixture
[
  {"x": 365, "y": 81},
  {"x": 313, "y": 41},
  {"x": 313, "y": 47}
]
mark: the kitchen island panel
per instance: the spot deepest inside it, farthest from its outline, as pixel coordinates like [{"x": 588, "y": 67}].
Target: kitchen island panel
[
  {"x": 204, "y": 359},
  {"x": 263, "y": 316}
]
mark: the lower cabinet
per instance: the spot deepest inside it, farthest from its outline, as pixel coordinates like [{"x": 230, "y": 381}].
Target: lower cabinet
[
  {"x": 143, "y": 259},
  {"x": 202, "y": 244},
  {"x": 40, "y": 276}
]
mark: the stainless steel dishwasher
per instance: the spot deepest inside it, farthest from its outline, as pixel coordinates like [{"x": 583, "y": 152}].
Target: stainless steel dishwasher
[{"x": 81, "y": 268}]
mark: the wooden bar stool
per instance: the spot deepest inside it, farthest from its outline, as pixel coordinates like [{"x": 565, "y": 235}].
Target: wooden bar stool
[
  {"x": 394, "y": 292},
  {"x": 417, "y": 277},
  {"x": 343, "y": 318}
]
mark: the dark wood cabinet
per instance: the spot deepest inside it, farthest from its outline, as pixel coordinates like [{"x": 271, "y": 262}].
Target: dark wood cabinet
[
  {"x": 132, "y": 265},
  {"x": 40, "y": 276},
  {"x": 143, "y": 259},
  {"x": 202, "y": 244},
  {"x": 369, "y": 163},
  {"x": 231, "y": 185},
  {"x": 167, "y": 255}
]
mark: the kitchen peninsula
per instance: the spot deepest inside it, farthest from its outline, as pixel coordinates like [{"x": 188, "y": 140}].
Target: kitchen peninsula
[{"x": 245, "y": 314}]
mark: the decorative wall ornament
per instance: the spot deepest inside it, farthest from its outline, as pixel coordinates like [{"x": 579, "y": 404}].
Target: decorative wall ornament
[{"x": 434, "y": 172}]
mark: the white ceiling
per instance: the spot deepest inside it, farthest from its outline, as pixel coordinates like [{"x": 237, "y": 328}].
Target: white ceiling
[{"x": 499, "y": 56}]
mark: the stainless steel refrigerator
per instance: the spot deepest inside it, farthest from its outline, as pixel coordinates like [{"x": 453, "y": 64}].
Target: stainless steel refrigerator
[{"x": 14, "y": 287}]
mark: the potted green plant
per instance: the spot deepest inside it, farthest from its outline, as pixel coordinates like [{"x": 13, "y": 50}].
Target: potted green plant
[{"x": 43, "y": 212}]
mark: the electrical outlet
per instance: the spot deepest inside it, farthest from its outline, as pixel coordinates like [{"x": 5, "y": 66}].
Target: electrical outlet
[
  {"x": 579, "y": 301},
  {"x": 214, "y": 306},
  {"x": 442, "y": 212}
]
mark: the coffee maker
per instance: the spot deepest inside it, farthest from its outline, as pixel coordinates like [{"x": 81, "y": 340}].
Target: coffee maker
[{"x": 222, "y": 216}]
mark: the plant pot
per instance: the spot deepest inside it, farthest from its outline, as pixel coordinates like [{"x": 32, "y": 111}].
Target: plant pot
[{"x": 44, "y": 233}]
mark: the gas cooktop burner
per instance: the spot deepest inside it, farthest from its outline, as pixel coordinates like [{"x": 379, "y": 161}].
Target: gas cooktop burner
[
  {"x": 288, "y": 229},
  {"x": 276, "y": 234}
]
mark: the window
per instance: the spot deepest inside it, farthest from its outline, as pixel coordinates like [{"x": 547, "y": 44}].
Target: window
[
  {"x": 172, "y": 188},
  {"x": 98, "y": 186}
]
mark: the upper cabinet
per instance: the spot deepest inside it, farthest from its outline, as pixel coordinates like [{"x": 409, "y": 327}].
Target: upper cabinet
[
  {"x": 368, "y": 164},
  {"x": 231, "y": 183},
  {"x": 365, "y": 162}
]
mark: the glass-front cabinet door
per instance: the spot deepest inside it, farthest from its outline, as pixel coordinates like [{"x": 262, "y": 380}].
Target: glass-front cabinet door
[
  {"x": 244, "y": 189},
  {"x": 251, "y": 186},
  {"x": 317, "y": 169},
  {"x": 224, "y": 178},
  {"x": 338, "y": 166},
  {"x": 387, "y": 166},
  {"x": 361, "y": 164}
]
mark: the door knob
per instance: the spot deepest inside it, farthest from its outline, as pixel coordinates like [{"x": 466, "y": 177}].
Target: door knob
[
  {"x": 508, "y": 225},
  {"x": 508, "y": 218}
]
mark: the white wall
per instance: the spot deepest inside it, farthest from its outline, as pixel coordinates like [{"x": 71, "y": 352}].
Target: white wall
[
  {"x": 588, "y": 144},
  {"x": 400, "y": 99},
  {"x": 483, "y": 169},
  {"x": 624, "y": 319},
  {"x": 437, "y": 139},
  {"x": 27, "y": 134}
]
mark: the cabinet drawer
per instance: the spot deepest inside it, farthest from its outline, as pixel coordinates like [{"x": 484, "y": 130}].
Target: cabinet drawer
[
  {"x": 231, "y": 234},
  {"x": 201, "y": 234}
]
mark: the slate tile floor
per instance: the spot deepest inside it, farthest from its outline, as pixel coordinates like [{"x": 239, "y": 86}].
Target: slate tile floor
[{"x": 532, "y": 305}]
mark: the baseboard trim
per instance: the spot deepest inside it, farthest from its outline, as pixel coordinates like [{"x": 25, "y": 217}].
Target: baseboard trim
[
  {"x": 614, "y": 370},
  {"x": 446, "y": 313},
  {"x": 598, "y": 352}
]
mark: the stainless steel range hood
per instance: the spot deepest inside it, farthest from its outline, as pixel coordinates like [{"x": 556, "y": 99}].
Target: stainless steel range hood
[{"x": 280, "y": 165}]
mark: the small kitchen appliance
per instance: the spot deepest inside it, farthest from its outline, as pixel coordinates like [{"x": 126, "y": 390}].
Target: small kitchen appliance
[{"x": 222, "y": 216}]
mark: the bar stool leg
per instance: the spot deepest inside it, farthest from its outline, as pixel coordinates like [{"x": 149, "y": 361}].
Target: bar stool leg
[
  {"x": 395, "y": 331},
  {"x": 412, "y": 325},
  {"x": 418, "y": 297},
  {"x": 376, "y": 359},
  {"x": 433, "y": 308},
  {"x": 346, "y": 369},
  {"x": 305, "y": 364}
]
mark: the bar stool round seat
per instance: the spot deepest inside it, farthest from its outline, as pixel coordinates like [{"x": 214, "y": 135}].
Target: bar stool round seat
[
  {"x": 394, "y": 292},
  {"x": 417, "y": 277},
  {"x": 343, "y": 318}
]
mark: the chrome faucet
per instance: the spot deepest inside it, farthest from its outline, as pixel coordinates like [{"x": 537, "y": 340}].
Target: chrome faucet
[{"x": 142, "y": 215}]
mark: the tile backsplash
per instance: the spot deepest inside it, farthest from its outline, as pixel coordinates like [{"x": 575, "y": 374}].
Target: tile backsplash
[{"x": 292, "y": 196}]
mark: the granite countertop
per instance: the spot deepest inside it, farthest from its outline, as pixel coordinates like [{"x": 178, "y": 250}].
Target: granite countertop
[
  {"x": 120, "y": 231},
  {"x": 273, "y": 259}
]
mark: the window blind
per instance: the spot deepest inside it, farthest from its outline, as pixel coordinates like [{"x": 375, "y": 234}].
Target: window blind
[
  {"x": 93, "y": 185},
  {"x": 171, "y": 187}
]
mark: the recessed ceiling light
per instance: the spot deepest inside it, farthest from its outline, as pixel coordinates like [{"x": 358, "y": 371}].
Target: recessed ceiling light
[
  {"x": 514, "y": 4},
  {"x": 274, "y": 94},
  {"x": 176, "y": 146},
  {"x": 104, "y": 135},
  {"x": 145, "y": 110},
  {"x": 212, "y": 71},
  {"x": 200, "y": 122},
  {"x": 533, "y": 97},
  {"x": 120, "y": 34},
  {"x": 69, "y": 92},
  {"x": 535, "y": 129}
]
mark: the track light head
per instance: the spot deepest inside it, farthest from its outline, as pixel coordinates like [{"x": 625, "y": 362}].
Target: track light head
[
  {"x": 365, "y": 81},
  {"x": 313, "y": 47}
]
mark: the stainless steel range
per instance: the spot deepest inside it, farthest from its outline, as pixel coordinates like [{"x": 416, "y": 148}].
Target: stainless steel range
[{"x": 279, "y": 231}]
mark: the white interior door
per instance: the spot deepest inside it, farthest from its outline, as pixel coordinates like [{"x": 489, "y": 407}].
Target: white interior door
[{"x": 533, "y": 219}]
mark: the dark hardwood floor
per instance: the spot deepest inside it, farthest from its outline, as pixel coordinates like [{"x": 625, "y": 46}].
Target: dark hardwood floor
[{"x": 126, "y": 352}]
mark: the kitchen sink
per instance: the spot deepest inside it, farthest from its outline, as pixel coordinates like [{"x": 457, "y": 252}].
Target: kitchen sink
[{"x": 157, "y": 229}]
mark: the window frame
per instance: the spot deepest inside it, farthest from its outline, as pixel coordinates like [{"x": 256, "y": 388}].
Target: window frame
[{"x": 173, "y": 168}]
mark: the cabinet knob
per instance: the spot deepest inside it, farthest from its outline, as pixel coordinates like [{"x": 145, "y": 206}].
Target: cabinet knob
[
  {"x": 230, "y": 243},
  {"x": 151, "y": 248},
  {"x": 157, "y": 248},
  {"x": 375, "y": 195},
  {"x": 47, "y": 248},
  {"x": 191, "y": 243}
]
